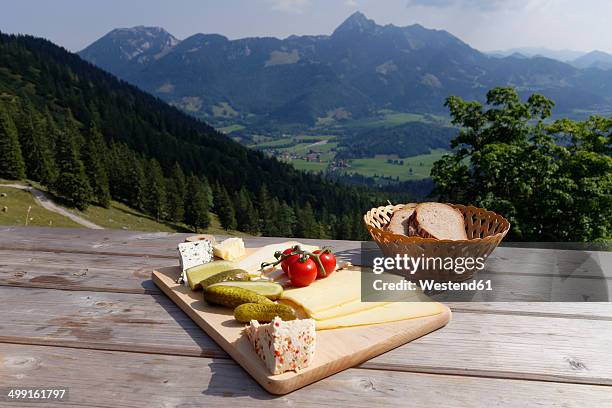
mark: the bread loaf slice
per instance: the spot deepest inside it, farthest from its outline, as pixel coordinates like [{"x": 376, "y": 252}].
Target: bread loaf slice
[
  {"x": 440, "y": 221},
  {"x": 400, "y": 221}
]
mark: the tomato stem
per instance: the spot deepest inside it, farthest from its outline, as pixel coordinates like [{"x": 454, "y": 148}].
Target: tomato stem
[{"x": 304, "y": 255}]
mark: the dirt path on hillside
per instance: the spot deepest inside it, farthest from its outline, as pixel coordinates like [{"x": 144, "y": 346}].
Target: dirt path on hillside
[
  {"x": 44, "y": 201},
  {"x": 320, "y": 142}
]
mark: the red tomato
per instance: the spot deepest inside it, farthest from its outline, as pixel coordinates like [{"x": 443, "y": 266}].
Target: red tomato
[
  {"x": 288, "y": 261},
  {"x": 303, "y": 273},
  {"x": 329, "y": 263}
]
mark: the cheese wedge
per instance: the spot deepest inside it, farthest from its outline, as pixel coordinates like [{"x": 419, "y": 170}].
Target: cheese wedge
[
  {"x": 252, "y": 262},
  {"x": 332, "y": 292},
  {"x": 388, "y": 312},
  {"x": 231, "y": 249}
]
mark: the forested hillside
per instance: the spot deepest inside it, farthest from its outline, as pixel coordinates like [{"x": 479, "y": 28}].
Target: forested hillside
[{"x": 90, "y": 137}]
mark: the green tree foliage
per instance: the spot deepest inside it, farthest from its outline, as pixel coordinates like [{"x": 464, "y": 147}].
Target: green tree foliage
[
  {"x": 94, "y": 153},
  {"x": 286, "y": 220},
  {"x": 271, "y": 224},
  {"x": 11, "y": 161},
  {"x": 307, "y": 225},
  {"x": 266, "y": 216},
  {"x": 126, "y": 175},
  {"x": 225, "y": 209},
  {"x": 553, "y": 181},
  {"x": 71, "y": 182},
  {"x": 32, "y": 130},
  {"x": 196, "y": 204},
  {"x": 176, "y": 189},
  {"x": 155, "y": 190},
  {"x": 208, "y": 192},
  {"x": 247, "y": 217}
]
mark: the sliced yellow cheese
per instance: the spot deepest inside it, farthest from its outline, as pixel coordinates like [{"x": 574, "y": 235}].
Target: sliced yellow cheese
[
  {"x": 357, "y": 305},
  {"x": 388, "y": 312},
  {"x": 351, "y": 307},
  {"x": 252, "y": 262},
  {"x": 340, "y": 295},
  {"x": 332, "y": 292}
]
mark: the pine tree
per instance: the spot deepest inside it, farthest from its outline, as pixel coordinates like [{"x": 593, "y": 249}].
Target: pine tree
[
  {"x": 126, "y": 175},
  {"x": 270, "y": 224},
  {"x": 208, "y": 191},
  {"x": 71, "y": 181},
  {"x": 44, "y": 139},
  {"x": 263, "y": 207},
  {"x": 175, "y": 194},
  {"x": 11, "y": 161},
  {"x": 136, "y": 181},
  {"x": 215, "y": 188},
  {"x": 307, "y": 225},
  {"x": 196, "y": 204},
  {"x": 155, "y": 190},
  {"x": 32, "y": 133},
  {"x": 247, "y": 218},
  {"x": 225, "y": 209},
  {"x": 286, "y": 220},
  {"x": 94, "y": 155},
  {"x": 343, "y": 227},
  {"x": 360, "y": 233}
]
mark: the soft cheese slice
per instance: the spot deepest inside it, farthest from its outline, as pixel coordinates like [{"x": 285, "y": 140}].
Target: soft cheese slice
[
  {"x": 332, "y": 292},
  {"x": 284, "y": 345},
  {"x": 231, "y": 249},
  {"x": 388, "y": 312},
  {"x": 252, "y": 262}
]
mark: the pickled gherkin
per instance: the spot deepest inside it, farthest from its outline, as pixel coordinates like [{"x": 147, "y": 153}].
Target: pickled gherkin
[
  {"x": 226, "y": 276},
  {"x": 263, "y": 312},
  {"x": 230, "y": 296}
]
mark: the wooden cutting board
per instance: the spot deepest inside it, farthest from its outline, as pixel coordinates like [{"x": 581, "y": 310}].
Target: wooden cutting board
[{"x": 337, "y": 349}]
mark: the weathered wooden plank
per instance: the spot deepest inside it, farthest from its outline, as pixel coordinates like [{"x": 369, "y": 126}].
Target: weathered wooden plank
[
  {"x": 116, "y": 379},
  {"x": 568, "y": 310},
  {"x": 110, "y": 242},
  {"x": 522, "y": 347},
  {"x": 124, "y": 274},
  {"x": 69, "y": 271},
  {"x": 550, "y": 262},
  {"x": 116, "y": 242},
  {"x": 99, "y": 320},
  {"x": 520, "y": 261},
  {"x": 492, "y": 345}
]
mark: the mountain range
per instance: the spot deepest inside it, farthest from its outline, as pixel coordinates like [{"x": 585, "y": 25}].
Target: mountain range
[
  {"x": 578, "y": 59},
  {"x": 360, "y": 68}
]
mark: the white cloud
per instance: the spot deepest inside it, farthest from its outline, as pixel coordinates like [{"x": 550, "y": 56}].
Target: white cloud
[
  {"x": 350, "y": 3},
  {"x": 482, "y": 5},
  {"x": 290, "y": 6}
]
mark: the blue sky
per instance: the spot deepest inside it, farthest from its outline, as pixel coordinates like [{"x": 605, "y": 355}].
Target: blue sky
[{"x": 484, "y": 24}]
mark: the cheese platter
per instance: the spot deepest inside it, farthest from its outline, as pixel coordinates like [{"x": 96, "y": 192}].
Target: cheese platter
[{"x": 289, "y": 325}]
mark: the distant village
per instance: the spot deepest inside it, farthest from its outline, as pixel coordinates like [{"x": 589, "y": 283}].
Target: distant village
[{"x": 311, "y": 156}]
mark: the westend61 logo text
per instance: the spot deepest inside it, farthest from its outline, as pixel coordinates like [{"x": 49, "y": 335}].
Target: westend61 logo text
[{"x": 412, "y": 265}]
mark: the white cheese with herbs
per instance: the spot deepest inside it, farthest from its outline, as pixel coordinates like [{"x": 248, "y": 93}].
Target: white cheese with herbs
[
  {"x": 194, "y": 254},
  {"x": 284, "y": 345}
]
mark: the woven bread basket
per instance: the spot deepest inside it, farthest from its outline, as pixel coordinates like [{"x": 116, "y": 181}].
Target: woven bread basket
[{"x": 485, "y": 230}]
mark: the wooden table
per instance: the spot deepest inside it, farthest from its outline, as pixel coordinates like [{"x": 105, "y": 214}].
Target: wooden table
[{"x": 78, "y": 309}]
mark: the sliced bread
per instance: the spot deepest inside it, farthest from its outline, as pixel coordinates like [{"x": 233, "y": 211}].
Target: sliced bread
[
  {"x": 400, "y": 221},
  {"x": 440, "y": 221}
]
